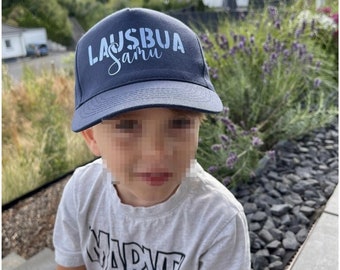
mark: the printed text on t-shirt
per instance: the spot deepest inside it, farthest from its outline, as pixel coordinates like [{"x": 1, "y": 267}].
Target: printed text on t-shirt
[{"x": 110, "y": 253}]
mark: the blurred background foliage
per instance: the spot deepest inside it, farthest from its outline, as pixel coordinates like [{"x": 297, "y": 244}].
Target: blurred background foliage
[{"x": 54, "y": 14}]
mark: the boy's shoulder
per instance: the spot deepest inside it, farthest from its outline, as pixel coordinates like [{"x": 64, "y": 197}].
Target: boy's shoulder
[
  {"x": 84, "y": 178},
  {"x": 213, "y": 192},
  {"x": 93, "y": 166},
  {"x": 91, "y": 170}
]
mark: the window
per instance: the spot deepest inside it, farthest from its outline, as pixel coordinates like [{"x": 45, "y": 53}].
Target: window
[{"x": 8, "y": 43}]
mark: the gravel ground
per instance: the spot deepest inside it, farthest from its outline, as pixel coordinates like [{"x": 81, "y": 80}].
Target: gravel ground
[
  {"x": 27, "y": 227},
  {"x": 288, "y": 196},
  {"x": 281, "y": 203}
]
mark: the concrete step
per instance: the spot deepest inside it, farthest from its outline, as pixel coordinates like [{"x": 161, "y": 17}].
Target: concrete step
[
  {"x": 320, "y": 250},
  {"x": 44, "y": 260},
  {"x": 12, "y": 261}
]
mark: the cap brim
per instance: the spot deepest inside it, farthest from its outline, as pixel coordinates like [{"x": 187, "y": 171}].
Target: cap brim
[{"x": 135, "y": 96}]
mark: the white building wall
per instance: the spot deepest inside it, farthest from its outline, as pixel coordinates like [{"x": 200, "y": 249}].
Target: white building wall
[
  {"x": 213, "y": 3},
  {"x": 242, "y": 5},
  {"x": 12, "y": 46},
  {"x": 35, "y": 36}
]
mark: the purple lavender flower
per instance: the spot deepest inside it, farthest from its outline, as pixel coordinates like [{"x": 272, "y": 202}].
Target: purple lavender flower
[
  {"x": 317, "y": 66},
  {"x": 225, "y": 111},
  {"x": 206, "y": 41},
  {"x": 256, "y": 141},
  {"x": 223, "y": 38},
  {"x": 266, "y": 47},
  {"x": 226, "y": 181},
  {"x": 248, "y": 50},
  {"x": 269, "y": 37},
  {"x": 235, "y": 37},
  {"x": 232, "y": 51},
  {"x": 278, "y": 24},
  {"x": 271, "y": 154},
  {"x": 253, "y": 130},
  {"x": 252, "y": 39},
  {"x": 297, "y": 33},
  {"x": 204, "y": 38},
  {"x": 266, "y": 68},
  {"x": 272, "y": 12},
  {"x": 213, "y": 72},
  {"x": 295, "y": 46},
  {"x": 229, "y": 125},
  {"x": 216, "y": 147},
  {"x": 231, "y": 160},
  {"x": 317, "y": 83},
  {"x": 302, "y": 51},
  {"x": 310, "y": 58},
  {"x": 224, "y": 138},
  {"x": 212, "y": 169},
  {"x": 223, "y": 42},
  {"x": 279, "y": 47},
  {"x": 286, "y": 53},
  {"x": 273, "y": 57},
  {"x": 241, "y": 45},
  {"x": 245, "y": 133}
]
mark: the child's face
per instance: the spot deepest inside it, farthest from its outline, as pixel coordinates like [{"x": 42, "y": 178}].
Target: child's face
[{"x": 148, "y": 151}]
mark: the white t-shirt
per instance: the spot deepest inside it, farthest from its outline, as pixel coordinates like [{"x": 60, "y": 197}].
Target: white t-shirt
[{"x": 201, "y": 226}]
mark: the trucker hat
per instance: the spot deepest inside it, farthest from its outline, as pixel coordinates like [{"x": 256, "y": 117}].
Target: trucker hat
[{"x": 138, "y": 58}]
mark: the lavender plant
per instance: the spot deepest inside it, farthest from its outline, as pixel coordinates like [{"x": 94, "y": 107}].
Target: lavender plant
[
  {"x": 277, "y": 83},
  {"x": 228, "y": 151},
  {"x": 271, "y": 75}
]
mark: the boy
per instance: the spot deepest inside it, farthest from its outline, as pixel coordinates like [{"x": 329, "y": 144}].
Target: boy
[{"x": 142, "y": 87}]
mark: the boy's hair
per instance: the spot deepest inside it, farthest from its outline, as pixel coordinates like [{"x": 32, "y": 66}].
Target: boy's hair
[{"x": 139, "y": 58}]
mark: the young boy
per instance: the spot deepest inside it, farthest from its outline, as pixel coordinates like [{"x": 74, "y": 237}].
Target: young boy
[{"x": 142, "y": 87}]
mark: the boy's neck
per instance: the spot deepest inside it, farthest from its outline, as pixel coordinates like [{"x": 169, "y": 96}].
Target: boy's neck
[{"x": 129, "y": 198}]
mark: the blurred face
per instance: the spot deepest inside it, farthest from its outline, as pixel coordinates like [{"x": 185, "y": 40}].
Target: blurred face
[{"x": 148, "y": 151}]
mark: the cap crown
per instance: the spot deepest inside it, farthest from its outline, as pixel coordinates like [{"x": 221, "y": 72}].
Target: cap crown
[{"x": 137, "y": 45}]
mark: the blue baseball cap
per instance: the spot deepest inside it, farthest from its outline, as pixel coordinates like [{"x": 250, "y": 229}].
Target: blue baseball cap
[{"x": 138, "y": 58}]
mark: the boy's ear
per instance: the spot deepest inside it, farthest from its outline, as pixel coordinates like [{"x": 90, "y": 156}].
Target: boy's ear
[{"x": 88, "y": 135}]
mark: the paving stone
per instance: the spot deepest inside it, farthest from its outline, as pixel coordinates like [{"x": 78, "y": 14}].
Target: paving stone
[
  {"x": 320, "y": 252},
  {"x": 12, "y": 261},
  {"x": 44, "y": 260}
]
